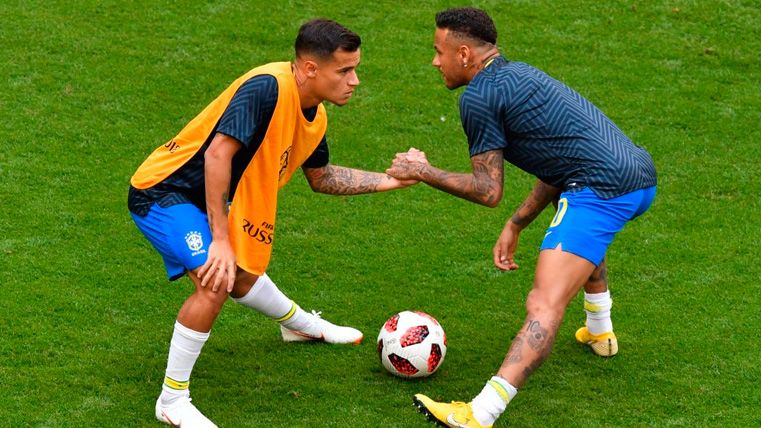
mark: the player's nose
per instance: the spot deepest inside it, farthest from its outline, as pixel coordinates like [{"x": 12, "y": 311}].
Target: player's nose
[{"x": 353, "y": 79}]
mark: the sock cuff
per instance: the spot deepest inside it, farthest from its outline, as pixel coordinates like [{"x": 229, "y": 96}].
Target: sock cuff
[
  {"x": 289, "y": 314},
  {"x": 260, "y": 284},
  {"x": 597, "y": 297},
  {"x": 190, "y": 334},
  {"x": 597, "y": 306},
  {"x": 503, "y": 388},
  {"x": 598, "y": 301},
  {"x": 177, "y": 385}
]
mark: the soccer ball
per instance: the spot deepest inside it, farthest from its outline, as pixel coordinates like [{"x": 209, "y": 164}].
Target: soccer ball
[{"x": 412, "y": 344}]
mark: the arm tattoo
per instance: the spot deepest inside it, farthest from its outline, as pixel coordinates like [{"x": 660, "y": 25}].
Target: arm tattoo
[
  {"x": 338, "y": 180},
  {"x": 484, "y": 186},
  {"x": 537, "y": 200}
]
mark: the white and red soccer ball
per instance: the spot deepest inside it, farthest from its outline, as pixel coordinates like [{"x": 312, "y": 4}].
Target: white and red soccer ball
[{"x": 412, "y": 344}]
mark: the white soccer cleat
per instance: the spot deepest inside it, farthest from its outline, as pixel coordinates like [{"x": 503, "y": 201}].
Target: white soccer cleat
[
  {"x": 322, "y": 330},
  {"x": 182, "y": 413}
]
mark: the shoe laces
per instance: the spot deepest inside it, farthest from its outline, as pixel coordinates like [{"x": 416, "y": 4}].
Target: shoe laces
[{"x": 317, "y": 314}]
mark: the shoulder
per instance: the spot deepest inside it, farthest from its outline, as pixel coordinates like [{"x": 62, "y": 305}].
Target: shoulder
[
  {"x": 482, "y": 92},
  {"x": 260, "y": 90},
  {"x": 262, "y": 83},
  {"x": 511, "y": 82}
]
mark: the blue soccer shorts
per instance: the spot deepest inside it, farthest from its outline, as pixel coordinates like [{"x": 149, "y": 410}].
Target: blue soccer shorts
[
  {"x": 585, "y": 224},
  {"x": 180, "y": 233}
]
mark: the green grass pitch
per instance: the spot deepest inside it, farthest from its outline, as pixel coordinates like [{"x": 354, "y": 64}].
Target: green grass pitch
[{"x": 89, "y": 88}]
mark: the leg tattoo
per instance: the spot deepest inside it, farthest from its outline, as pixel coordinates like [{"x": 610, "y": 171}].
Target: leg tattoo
[{"x": 528, "y": 359}]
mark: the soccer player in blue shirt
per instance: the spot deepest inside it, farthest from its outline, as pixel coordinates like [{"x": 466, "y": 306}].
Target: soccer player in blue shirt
[{"x": 598, "y": 178}]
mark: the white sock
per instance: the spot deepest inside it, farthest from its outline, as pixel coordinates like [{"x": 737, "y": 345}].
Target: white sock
[
  {"x": 492, "y": 401},
  {"x": 184, "y": 350},
  {"x": 597, "y": 306},
  {"x": 266, "y": 298}
]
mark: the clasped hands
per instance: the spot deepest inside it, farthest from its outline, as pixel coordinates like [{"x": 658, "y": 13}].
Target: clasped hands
[{"x": 408, "y": 166}]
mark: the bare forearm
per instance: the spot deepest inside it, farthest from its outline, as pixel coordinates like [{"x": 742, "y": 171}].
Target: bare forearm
[
  {"x": 483, "y": 186},
  {"x": 217, "y": 171},
  {"x": 541, "y": 195},
  {"x": 217, "y": 193},
  {"x": 466, "y": 186},
  {"x": 217, "y": 177},
  {"x": 339, "y": 180}
]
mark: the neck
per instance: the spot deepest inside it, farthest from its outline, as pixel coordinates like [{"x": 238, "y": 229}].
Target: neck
[
  {"x": 306, "y": 96},
  {"x": 480, "y": 61},
  {"x": 487, "y": 56}
]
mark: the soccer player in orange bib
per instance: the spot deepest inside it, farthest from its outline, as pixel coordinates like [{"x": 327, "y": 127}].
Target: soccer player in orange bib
[{"x": 207, "y": 198}]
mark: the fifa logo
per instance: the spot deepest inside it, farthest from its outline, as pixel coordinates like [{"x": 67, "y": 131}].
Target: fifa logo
[{"x": 284, "y": 161}]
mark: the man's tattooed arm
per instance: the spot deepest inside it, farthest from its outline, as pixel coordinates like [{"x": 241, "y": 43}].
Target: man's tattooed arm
[
  {"x": 483, "y": 186},
  {"x": 339, "y": 180},
  {"x": 537, "y": 200}
]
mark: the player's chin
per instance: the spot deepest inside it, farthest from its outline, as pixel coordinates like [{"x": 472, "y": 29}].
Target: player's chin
[
  {"x": 341, "y": 103},
  {"x": 341, "y": 100},
  {"x": 452, "y": 84}
]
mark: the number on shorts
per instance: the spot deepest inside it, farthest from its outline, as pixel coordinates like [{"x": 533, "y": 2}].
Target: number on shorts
[{"x": 562, "y": 207}]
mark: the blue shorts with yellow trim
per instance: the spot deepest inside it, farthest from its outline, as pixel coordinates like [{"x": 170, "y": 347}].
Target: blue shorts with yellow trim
[
  {"x": 585, "y": 224},
  {"x": 180, "y": 233}
]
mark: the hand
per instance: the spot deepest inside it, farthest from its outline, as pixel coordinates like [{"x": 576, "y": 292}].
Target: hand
[
  {"x": 408, "y": 165},
  {"x": 400, "y": 184},
  {"x": 504, "y": 249},
  {"x": 416, "y": 155},
  {"x": 219, "y": 267}
]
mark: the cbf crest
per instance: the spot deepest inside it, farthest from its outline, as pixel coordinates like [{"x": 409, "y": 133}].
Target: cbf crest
[{"x": 194, "y": 240}]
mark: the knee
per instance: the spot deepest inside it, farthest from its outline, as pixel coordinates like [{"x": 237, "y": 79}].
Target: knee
[
  {"x": 539, "y": 302},
  {"x": 210, "y": 299}
]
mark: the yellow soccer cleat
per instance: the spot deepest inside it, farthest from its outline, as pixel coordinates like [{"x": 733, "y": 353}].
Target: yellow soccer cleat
[
  {"x": 454, "y": 415},
  {"x": 604, "y": 344}
]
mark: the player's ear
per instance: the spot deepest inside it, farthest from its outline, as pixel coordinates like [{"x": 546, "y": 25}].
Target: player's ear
[
  {"x": 463, "y": 53},
  {"x": 310, "y": 68}
]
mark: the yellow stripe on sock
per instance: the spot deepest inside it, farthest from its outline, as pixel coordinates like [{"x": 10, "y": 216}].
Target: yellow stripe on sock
[
  {"x": 289, "y": 314},
  {"x": 176, "y": 384},
  {"x": 591, "y": 307},
  {"x": 500, "y": 390}
]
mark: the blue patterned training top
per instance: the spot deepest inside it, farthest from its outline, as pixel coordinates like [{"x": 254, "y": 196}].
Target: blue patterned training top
[{"x": 550, "y": 131}]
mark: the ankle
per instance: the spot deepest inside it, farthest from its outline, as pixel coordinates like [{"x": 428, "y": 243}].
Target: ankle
[{"x": 169, "y": 397}]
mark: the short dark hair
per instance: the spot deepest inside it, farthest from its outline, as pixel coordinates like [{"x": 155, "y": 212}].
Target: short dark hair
[
  {"x": 322, "y": 37},
  {"x": 468, "y": 22}
]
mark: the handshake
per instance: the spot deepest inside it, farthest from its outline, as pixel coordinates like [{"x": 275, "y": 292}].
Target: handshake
[{"x": 409, "y": 167}]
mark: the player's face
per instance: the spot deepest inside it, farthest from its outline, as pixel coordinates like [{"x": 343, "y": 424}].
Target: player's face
[
  {"x": 336, "y": 78},
  {"x": 448, "y": 59}
]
